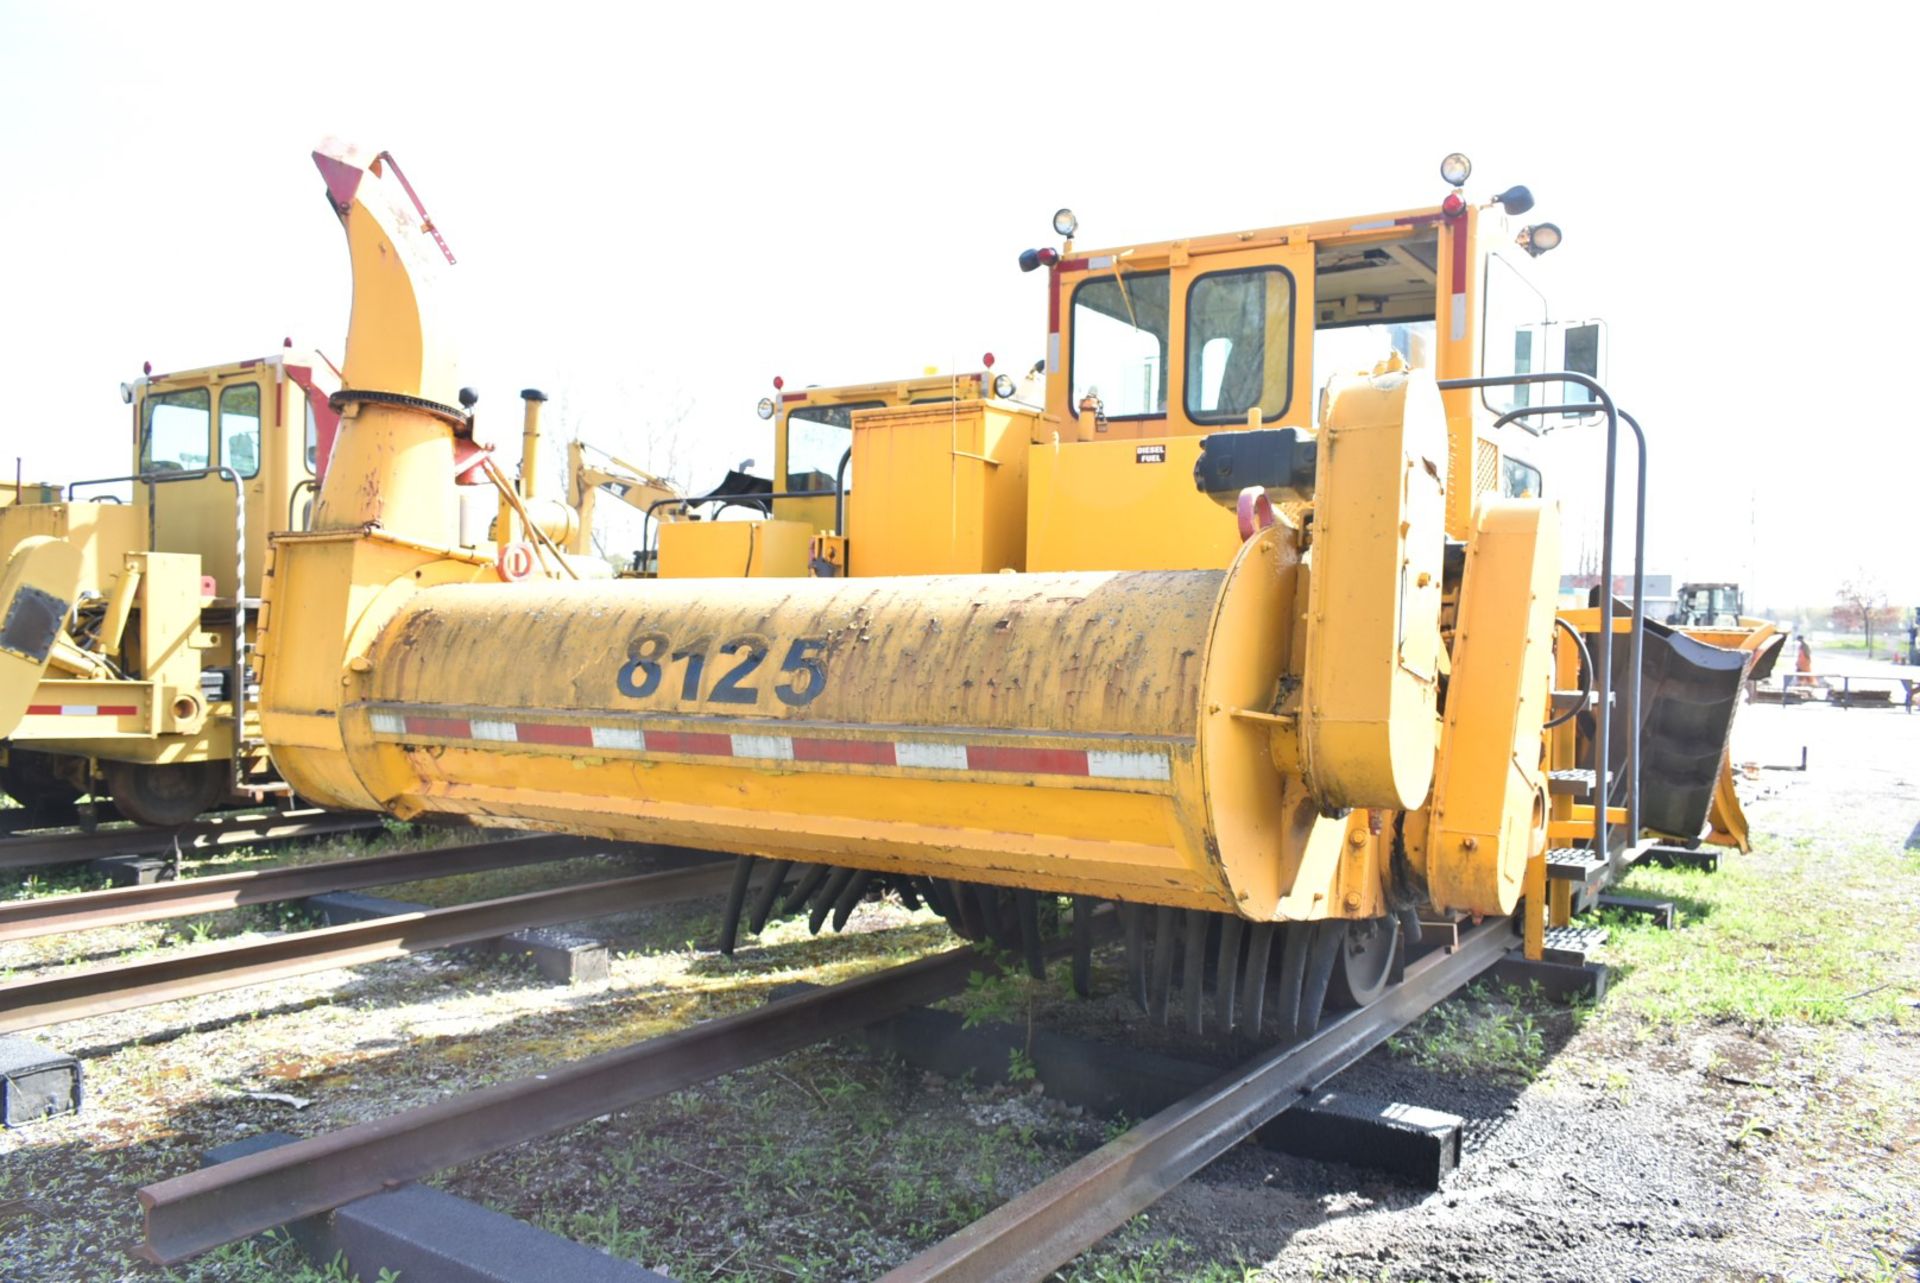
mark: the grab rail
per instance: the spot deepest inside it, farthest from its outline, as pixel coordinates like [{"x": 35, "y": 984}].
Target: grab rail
[{"x": 1603, "y": 661}]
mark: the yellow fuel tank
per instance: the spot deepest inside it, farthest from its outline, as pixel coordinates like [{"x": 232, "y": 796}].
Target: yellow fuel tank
[{"x": 1064, "y": 729}]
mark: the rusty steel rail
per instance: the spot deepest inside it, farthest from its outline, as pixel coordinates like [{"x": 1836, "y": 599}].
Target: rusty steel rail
[
  {"x": 26, "y": 1004},
  {"x": 190, "y": 1214},
  {"x": 115, "y": 906},
  {"x": 1044, "y": 1228},
  {"x": 67, "y": 847}
]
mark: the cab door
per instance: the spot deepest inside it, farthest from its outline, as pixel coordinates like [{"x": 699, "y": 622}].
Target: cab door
[
  {"x": 186, "y": 434},
  {"x": 1243, "y": 338}
]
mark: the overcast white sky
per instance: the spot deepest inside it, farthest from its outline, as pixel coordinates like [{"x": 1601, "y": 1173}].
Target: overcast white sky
[{"x": 657, "y": 209}]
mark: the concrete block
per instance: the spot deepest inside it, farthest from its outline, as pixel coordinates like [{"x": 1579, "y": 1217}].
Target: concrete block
[
  {"x": 338, "y": 907},
  {"x": 1705, "y": 858},
  {"x": 1660, "y": 911},
  {"x": 1417, "y": 1144},
  {"x": 422, "y": 1233},
  {"x": 562, "y": 956},
  {"x": 36, "y": 1083},
  {"x": 133, "y": 870},
  {"x": 1558, "y": 980}
]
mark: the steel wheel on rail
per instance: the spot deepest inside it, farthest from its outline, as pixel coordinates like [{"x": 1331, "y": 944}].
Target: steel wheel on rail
[
  {"x": 1364, "y": 964},
  {"x": 166, "y": 794}
]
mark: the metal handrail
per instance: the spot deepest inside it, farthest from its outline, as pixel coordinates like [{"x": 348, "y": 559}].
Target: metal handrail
[
  {"x": 293, "y": 500},
  {"x": 840, "y": 494},
  {"x": 1603, "y": 725},
  {"x": 1636, "y": 638},
  {"x": 237, "y": 675}
]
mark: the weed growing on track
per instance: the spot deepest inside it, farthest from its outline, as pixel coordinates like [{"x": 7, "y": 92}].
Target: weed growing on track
[{"x": 1491, "y": 1030}]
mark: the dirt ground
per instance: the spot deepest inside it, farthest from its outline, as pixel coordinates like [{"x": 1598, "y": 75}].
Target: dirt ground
[{"x": 1744, "y": 1104}]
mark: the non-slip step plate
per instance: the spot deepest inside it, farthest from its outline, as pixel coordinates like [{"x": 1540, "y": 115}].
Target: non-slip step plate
[{"x": 1572, "y": 944}]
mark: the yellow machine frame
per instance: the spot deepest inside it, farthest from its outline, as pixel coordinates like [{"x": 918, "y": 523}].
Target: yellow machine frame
[
  {"x": 1269, "y": 805},
  {"x": 143, "y": 613}
]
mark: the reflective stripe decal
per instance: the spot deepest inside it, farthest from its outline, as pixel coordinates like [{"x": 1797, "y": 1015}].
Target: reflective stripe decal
[
  {"x": 619, "y": 737},
  {"x": 936, "y": 757},
  {"x": 1128, "y": 766},
  {"x": 1027, "y": 761},
  {"x": 777, "y": 747},
  {"x": 82, "y": 710},
  {"x": 918, "y": 755},
  {"x": 853, "y": 752}
]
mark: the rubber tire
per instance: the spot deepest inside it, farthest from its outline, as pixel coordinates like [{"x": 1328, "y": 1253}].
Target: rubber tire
[
  {"x": 166, "y": 795},
  {"x": 1362, "y": 969}
]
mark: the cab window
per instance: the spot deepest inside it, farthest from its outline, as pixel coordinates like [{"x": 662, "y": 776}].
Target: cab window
[
  {"x": 1518, "y": 480},
  {"x": 177, "y": 435},
  {"x": 1119, "y": 358},
  {"x": 817, "y": 435},
  {"x": 1239, "y": 345},
  {"x": 313, "y": 435},
  {"x": 1514, "y": 316},
  {"x": 240, "y": 427}
]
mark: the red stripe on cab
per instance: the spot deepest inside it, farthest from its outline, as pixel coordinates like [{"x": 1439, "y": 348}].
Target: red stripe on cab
[
  {"x": 1029, "y": 761},
  {"x": 43, "y": 710},
  {"x": 118, "y": 710}
]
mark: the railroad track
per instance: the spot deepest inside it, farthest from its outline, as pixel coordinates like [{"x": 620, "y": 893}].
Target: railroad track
[
  {"x": 94, "y": 991},
  {"x": 68, "y": 846},
  {"x": 1024, "y": 1239},
  {"x": 1034, "y": 1234}
]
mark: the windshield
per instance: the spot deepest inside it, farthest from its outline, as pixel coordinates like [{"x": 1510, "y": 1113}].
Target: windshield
[
  {"x": 178, "y": 433},
  {"x": 1120, "y": 345},
  {"x": 817, "y": 435}
]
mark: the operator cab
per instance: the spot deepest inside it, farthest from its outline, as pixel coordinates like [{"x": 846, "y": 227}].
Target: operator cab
[
  {"x": 1154, "y": 347},
  {"x": 254, "y": 431}
]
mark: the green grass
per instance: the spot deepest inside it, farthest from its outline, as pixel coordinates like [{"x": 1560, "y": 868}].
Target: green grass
[
  {"x": 1807, "y": 930},
  {"x": 1490, "y": 1030}
]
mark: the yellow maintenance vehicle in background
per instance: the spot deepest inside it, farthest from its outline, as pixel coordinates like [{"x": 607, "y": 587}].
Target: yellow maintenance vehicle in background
[
  {"x": 12, "y": 492},
  {"x": 124, "y": 596},
  {"x": 1254, "y": 644},
  {"x": 803, "y": 527}
]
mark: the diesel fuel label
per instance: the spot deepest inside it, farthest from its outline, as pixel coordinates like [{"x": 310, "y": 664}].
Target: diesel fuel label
[{"x": 1149, "y": 454}]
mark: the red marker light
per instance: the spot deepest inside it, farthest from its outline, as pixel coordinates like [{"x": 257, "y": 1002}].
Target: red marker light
[
  {"x": 778, "y": 383},
  {"x": 988, "y": 358},
  {"x": 1454, "y": 205},
  {"x": 287, "y": 342},
  {"x": 1048, "y": 257},
  {"x": 146, "y": 367}
]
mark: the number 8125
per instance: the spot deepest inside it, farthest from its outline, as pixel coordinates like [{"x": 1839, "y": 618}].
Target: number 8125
[{"x": 804, "y": 670}]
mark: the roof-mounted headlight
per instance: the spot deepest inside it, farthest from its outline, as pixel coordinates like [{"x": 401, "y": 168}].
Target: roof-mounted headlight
[
  {"x": 1539, "y": 238},
  {"x": 1003, "y": 386},
  {"x": 1065, "y": 223},
  {"x": 765, "y": 408},
  {"x": 1455, "y": 169}
]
